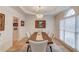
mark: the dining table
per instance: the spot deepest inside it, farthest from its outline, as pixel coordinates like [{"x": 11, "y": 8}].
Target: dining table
[{"x": 39, "y": 36}]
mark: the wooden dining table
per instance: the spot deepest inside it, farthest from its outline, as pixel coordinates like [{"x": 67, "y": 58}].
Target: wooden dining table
[{"x": 44, "y": 36}]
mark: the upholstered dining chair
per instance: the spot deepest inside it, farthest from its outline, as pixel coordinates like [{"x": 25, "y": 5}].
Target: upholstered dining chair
[
  {"x": 53, "y": 37},
  {"x": 38, "y": 46},
  {"x": 27, "y": 37},
  {"x": 28, "y": 34}
]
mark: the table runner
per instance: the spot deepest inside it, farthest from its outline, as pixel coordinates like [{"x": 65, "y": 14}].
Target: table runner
[{"x": 39, "y": 36}]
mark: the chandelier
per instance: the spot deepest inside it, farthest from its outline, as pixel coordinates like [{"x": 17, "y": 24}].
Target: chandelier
[{"x": 39, "y": 15}]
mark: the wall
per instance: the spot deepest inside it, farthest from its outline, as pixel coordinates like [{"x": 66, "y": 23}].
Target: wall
[
  {"x": 30, "y": 24},
  {"x": 6, "y": 36}
]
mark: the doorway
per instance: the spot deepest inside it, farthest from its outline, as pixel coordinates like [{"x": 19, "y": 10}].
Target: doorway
[{"x": 15, "y": 30}]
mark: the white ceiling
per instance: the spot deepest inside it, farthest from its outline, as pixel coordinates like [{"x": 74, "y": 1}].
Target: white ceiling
[{"x": 46, "y": 10}]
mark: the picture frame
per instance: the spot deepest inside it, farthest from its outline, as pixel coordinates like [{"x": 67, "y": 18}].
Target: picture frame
[
  {"x": 22, "y": 23},
  {"x": 40, "y": 24},
  {"x": 2, "y": 21},
  {"x": 15, "y": 28},
  {"x": 15, "y": 24}
]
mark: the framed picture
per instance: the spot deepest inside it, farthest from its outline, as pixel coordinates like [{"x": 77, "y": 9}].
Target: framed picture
[
  {"x": 40, "y": 24},
  {"x": 22, "y": 23},
  {"x": 15, "y": 24},
  {"x": 15, "y": 28},
  {"x": 2, "y": 21}
]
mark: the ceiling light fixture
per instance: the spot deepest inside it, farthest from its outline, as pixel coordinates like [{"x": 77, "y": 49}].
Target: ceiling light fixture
[{"x": 39, "y": 15}]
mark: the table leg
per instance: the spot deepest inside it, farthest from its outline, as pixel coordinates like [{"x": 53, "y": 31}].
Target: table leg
[
  {"x": 51, "y": 48},
  {"x": 28, "y": 48}
]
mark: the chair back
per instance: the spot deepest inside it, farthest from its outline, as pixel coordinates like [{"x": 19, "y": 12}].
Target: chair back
[
  {"x": 38, "y": 46},
  {"x": 28, "y": 34}
]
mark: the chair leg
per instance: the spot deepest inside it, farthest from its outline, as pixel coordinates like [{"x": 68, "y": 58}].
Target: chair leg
[
  {"x": 28, "y": 48},
  {"x": 51, "y": 48}
]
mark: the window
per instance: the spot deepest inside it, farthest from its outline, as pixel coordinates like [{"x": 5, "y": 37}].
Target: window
[
  {"x": 67, "y": 28},
  {"x": 70, "y": 31},
  {"x": 70, "y": 12}
]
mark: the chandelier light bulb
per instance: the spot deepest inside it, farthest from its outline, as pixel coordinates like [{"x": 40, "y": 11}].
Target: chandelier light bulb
[{"x": 39, "y": 16}]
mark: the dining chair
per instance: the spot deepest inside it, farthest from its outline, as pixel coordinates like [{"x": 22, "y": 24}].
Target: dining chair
[
  {"x": 53, "y": 37},
  {"x": 27, "y": 37},
  {"x": 49, "y": 33},
  {"x": 38, "y": 46},
  {"x": 28, "y": 34}
]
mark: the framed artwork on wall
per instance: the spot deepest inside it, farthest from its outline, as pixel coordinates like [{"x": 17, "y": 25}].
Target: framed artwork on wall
[
  {"x": 15, "y": 28},
  {"x": 2, "y": 22},
  {"x": 40, "y": 24},
  {"x": 22, "y": 23},
  {"x": 15, "y": 24}
]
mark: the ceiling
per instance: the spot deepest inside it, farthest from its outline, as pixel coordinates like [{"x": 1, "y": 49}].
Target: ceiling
[{"x": 46, "y": 10}]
